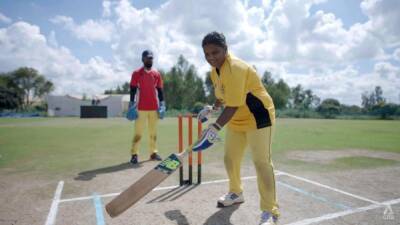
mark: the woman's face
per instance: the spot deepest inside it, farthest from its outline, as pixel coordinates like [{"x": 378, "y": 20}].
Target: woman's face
[{"x": 215, "y": 55}]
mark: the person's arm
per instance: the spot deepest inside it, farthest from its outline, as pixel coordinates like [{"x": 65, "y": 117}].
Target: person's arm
[
  {"x": 210, "y": 135},
  {"x": 225, "y": 116},
  {"x": 160, "y": 94},
  {"x": 133, "y": 93},
  {"x": 132, "y": 113},
  {"x": 217, "y": 104},
  {"x": 162, "y": 107}
]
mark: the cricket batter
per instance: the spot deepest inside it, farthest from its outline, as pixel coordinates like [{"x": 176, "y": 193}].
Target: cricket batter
[
  {"x": 147, "y": 107},
  {"x": 249, "y": 113}
]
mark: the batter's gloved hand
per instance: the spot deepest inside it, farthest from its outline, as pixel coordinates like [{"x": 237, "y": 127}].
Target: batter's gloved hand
[
  {"x": 205, "y": 113},
  {"x": 161, "y": 110},
  {"x": 208, "y": 138},
  {"x": 132, "y": 113}
]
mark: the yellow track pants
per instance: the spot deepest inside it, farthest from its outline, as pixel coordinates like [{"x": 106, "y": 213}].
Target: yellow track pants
[
  {"x": 151, "y": 118},
  {"x": 259, "y": 142}
]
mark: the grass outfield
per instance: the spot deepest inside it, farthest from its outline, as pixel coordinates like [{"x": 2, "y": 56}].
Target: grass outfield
[{"x": 70, "y": 145}]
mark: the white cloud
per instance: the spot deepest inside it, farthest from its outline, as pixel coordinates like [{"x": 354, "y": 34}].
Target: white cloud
[
  {"x": 106, "y": 8},
  {"x": 52, "y": 39},
  {"x": 90, "y": 30},
  {"x": 4, "y": 19},
  {"x": 22, "y": 44},
  {"x": 282, "y": 36},
  {"x": 387, "y": 70},
  {"x": 348, "y": 84},
  {"x": 384, "y": 19},
  {"x": 266, "y": 4},
  {"x": 396, "y": 54}
]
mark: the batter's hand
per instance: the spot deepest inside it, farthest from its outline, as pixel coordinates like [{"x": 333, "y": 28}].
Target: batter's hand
[
  {"x": 208, "y": 138},
  {"x": 132, "y": 113},
  {"x": 205, "y": 113}
]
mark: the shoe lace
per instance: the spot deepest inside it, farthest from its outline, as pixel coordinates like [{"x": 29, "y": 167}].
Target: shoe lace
[{"x": 231, "y": 196}]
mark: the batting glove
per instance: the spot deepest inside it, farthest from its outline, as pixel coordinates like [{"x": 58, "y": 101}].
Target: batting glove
[
  {"x": 132, "y": 113},
  {"x": 205, "y": 113},
  {"x": 161, "y": 110},
  {"x": 208, "y": 138}
]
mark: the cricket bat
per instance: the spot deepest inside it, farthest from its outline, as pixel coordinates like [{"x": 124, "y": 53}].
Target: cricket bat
[{"x": 146, "y": 184}]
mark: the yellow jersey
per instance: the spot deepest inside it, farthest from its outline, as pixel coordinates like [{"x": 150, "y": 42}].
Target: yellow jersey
[{"x": 237, "y": 84}]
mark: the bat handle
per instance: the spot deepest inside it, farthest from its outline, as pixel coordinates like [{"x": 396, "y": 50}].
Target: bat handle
[{"x": 186, "y": 151}]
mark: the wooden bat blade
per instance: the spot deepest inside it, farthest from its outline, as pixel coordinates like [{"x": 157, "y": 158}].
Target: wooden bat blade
[{"x": 144, "y": 185}]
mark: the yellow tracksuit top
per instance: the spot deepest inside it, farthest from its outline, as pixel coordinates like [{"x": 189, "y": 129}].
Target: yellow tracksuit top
[{"x": 238, "y": 85}]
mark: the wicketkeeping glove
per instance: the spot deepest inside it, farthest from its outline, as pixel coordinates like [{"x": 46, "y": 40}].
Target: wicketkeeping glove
[
  {"x": 205, "y": 113},
  {"x": 208, "y": 138},
  {"x": 161, "y": 110},
  {"x": 132, "y": 113}
]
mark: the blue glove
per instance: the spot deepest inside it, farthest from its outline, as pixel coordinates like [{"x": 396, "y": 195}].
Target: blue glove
[
  {"x": 208, "y": 138},
  {"x": 161, "y": 110},
  {"x": 205, "y": 113},
  {"x": 132, "y": 113}
]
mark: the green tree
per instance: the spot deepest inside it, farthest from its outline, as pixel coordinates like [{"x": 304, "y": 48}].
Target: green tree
[
  {"x": 173, "y": 88},
  {"x": 279, "y": 92},
  {"x": 367, "y": 102},
  {"x": 297, "y": 96},
  {"x": 120, "y": 90},
  {"x": 329, "y": 108},
  {"x": 209, "y": 89},
  {"x": 350, "y": 110},
  {"x": 380, "y": 100},
  {"x": 31, "y": 83},
  {"x": 372, "y": 100},
  {"x": 385, "y": 111},
  {"x": 183, "y": 87},
  {"x": 125, "y": 88},
  {"x": 11, "y": 97},
  {"x": 303, "y": 99},
  {"x": 267, "y": 79}
]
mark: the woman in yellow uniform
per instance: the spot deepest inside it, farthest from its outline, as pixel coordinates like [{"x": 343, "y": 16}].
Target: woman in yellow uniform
[{"x": 249, "y": 113}]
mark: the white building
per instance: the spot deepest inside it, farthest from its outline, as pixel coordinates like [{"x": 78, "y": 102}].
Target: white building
[{"x": 69, "y": 105}]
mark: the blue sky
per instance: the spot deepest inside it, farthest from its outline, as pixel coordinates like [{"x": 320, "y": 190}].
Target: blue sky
[{"x": 338, "y": 48}]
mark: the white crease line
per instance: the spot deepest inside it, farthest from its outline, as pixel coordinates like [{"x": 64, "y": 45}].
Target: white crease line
[
  {"x": 158, "y": 189},
  {"x": 345, "y": 213},
  {"x": 330, "y": 188},
  {"x": 51, "y": 218}
]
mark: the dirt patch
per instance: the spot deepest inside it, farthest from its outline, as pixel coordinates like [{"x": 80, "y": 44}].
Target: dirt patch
[{"x": 328, "y": 156}]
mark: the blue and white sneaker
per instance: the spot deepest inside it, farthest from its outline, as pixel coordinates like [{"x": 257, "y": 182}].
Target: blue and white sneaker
[
  {"x": 134, "y": 159},
  {"x": 268, "y": 219},
  {"x": 230, "y": 199}
]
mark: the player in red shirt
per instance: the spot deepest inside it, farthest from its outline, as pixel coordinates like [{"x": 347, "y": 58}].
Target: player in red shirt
[{"x": 146, "y": 105}]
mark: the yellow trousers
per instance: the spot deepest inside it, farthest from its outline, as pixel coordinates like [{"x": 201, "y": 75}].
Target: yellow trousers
[
  {"x": 259, "y": 142},
  {"x": 150, "y": 118}
]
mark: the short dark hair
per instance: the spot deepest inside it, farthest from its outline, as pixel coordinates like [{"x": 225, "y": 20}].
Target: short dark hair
[
  {"x": 214, "y": 38},
  {"x": 147, "y": 53}
]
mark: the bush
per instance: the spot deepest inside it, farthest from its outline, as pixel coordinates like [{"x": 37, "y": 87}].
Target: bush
[
  {"x": 297, "y": 113},
  {"x": 329, "y": 108}
]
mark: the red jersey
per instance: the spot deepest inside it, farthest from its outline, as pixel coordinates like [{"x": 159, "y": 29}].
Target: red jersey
[{"x": 147, "y": 83}]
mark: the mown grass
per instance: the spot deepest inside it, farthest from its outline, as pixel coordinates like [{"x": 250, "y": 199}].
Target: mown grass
[{"x": 60, "y": 145}]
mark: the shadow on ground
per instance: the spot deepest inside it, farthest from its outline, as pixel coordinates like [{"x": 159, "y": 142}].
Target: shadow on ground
[
  {"x": 222, "y": 217},
  {"x": 173, "y": 194},
  {"x": 90, "y": 174}
]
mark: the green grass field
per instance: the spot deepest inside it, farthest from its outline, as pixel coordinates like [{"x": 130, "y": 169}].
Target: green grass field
[{"x": 70, "y": 145}]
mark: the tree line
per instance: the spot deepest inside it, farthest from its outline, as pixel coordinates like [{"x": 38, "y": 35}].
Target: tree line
[
  {"x": 184, "y": 90},
  {"x": 20, "y": 87}
]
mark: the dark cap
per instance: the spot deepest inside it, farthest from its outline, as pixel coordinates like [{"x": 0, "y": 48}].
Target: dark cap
[{"x": 147, "y": 53}]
